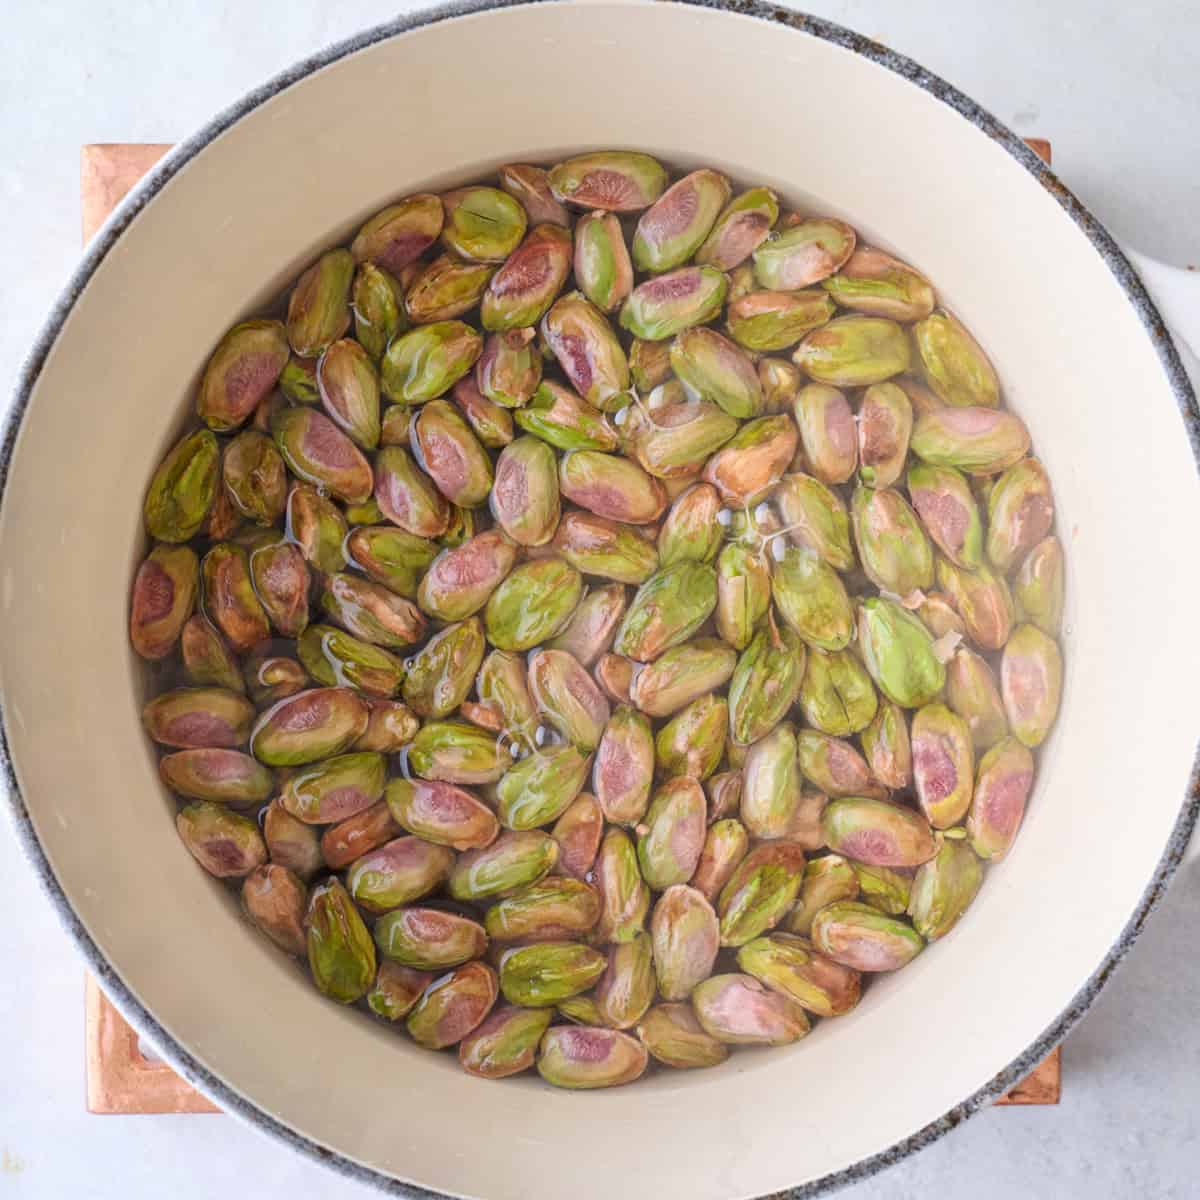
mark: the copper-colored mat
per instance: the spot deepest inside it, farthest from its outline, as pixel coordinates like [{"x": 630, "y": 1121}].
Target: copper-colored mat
[{"x": 120, "y": 1078}]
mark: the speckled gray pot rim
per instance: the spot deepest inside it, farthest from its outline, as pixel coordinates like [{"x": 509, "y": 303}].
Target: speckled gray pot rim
[{"x": 177, "y": 1055}]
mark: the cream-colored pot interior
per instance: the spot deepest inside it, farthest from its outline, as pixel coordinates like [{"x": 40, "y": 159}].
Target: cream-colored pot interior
[{"x": 835, "y": 133}]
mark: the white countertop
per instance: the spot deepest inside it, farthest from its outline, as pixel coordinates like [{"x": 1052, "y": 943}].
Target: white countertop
[{"x": 1116, "y": 88}]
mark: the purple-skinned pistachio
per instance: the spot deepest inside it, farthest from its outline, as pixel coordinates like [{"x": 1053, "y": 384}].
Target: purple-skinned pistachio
[
  {"x": 624, "y": 766},
  {"x": 668, "y": 304},
  {"x": 827, "y": 432},
  {"x": 222, "y": 776},
  {"x": 884, "y": 428},
  {"x": 348, "y": 840},
  {"x": 1031, "y": 679},
  {"x": 977, "y": 441},
  {"x": 973, "y": 693},
  {"x": 685, "y": 938},
  {"x": 587, "y": 349},
  {"x": 318, "y": 452},
  {"x": 325, "y": 792},
  {"x": 396, "y": 989},
  {"x": 944, "y": 502},
  {"x": 525, "y": 287},
  {"x": 943, "y": 764},
  {"x": 858, "y": 936},
  {"x": 276, "y": 901},
  {"x": 491, "y": 423},
  {"x": 611, "y": 487},
  {"x": 442, "y": 814},
  {"x": 674, "y": 227},
  {"x": 408, "y": 496},
  {"x": 806, "y": 252},
  {"x": 164, "y": 595},
  {"x": 835, "y": 766},
  {"x": 399, "y": 872},
  {"x": 725, "y": 845},
  {"x": 460, "y": 580},
  {"x": 567, "y": 698},
  {"x": 530, "y": 186},
  {"x": 308, "y": 726},
  {"x": 453, "y": 1006},
  {"x": 242, "y": 371},
  {"x": 428, "y": 939},
  {"x": 450, "y": 454},
  {"x": 740, "y": 1011},
  {"x": 626, "y": 989},
  {"x": 226, "y": 844},
  {"x": 593, "y": 625},
  {"x": 230, "y": 599},
  {"x": 671, "y": 834},
  {"x": 981, "y": 597},
  {"x": 510, "y": 368},
  {"x": 741, "y": 227},
  {"x": 292, "y": 843},
  {"x": 1002, "y": 785},
  {"x": 584, "y": 1057},
  {"x": 753, "y": 461},
  {"x": 400, "y": 233},
  {"x": 878, "y": 832},
  {"x": 619, "y": 181},
  {"x": 578, "y": 832}
]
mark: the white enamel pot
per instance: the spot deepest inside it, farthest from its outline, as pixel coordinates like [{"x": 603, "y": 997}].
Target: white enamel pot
[{"x": 838, "y": 125}]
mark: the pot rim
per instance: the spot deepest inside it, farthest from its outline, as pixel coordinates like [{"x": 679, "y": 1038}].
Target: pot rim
[{"x": 178, "y": 1057}]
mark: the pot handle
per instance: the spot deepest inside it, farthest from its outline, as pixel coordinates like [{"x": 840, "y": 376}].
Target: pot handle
[{"x": 1177, "y": 293}]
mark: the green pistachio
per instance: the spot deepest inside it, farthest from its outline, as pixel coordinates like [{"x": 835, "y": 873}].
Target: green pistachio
[
  {"x": 791, "y": 966},
  {"x": 803, "y": 254},
  {"x": 524, "y": 499},
  {"x": 982, "y": 599},
  {"x": 675, "y": 1038},
  {"x": 898, "y": 653},
  {"x": 1038, "y": 587},
  {"x": 895, "y": 553},
  {"x": 760, "y": 891},
  {"x": 826, "y": 880},
  {"x": 341, "y": 955},
  {"x": 611, "y": 180},
  {"x": 533, "y": 604},
  {"x": 978, "y": 441},
  {"x": 765, "y": 321},
  {"x": 725, "y": 845},
  {"x": 624, "y": 896},
  {"x": 743, "y": 593},
  {"x": 183, "y": 488},
  {"x": 873, "y": 282},
  {"x": 539, "y": 788},
  {"x": 319, "y": 306},
  {"x": 513, "y": 862},
  {"x": 944, "y": 888},
  {"x": 691, "y": 743},
  {"x": 887, "y": 745},
  {"x": 442, "y": 814},
  {"x": 765, "y": 683},
  {"x": 953, "y": 362}
]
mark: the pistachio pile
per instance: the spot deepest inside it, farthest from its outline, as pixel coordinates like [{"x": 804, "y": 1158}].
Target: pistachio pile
[{"x": 738, "y": 530}]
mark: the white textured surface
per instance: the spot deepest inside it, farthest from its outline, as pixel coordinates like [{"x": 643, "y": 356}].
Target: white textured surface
[{"x": 154, "y": 72}]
